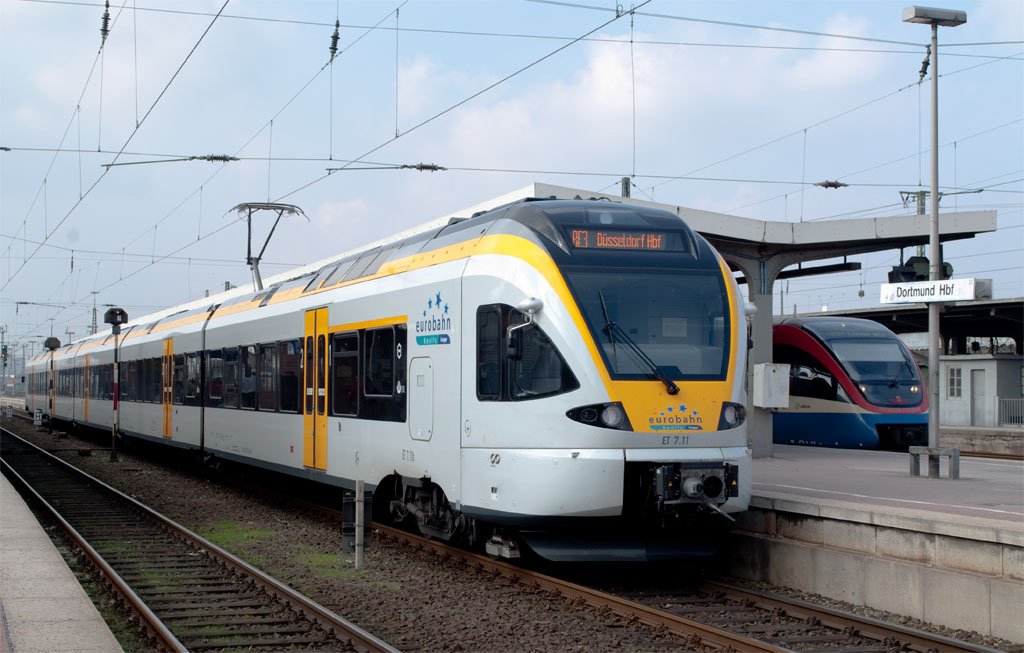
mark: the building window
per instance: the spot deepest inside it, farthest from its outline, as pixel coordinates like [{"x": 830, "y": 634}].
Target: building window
[{"x": 954, "y": 384}]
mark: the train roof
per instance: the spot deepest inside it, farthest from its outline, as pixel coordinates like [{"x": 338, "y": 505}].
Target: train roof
[
  {"x": 541, "y": 219},
  {"x": 827, "y": 327}
]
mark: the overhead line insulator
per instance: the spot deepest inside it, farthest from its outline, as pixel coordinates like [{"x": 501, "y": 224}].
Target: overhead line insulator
[
  {"x": 925, "y": 62},
  {"x": 334, "y": 40},
  {"x": 105, "y": 25}
]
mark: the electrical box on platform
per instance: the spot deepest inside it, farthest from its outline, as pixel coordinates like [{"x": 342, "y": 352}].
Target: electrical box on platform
[{"x": 771, "y": 385}]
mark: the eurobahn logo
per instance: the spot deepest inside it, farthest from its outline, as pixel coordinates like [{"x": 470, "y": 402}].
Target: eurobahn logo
[
  {"x": 676, "y": 418},
  {"x": 435, "y": 323}
]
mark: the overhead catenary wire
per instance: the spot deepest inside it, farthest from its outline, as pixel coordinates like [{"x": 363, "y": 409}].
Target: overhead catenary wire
[
  {"x": 284, "y": 159},
  {"x": 75, "y": 205},
  {"x": 463, "y": 101}
]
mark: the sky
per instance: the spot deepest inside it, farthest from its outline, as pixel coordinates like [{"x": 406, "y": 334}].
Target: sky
[{"x": 108, "y": 194}]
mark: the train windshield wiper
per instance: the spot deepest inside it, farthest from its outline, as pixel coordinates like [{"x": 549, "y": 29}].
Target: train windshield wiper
[
  {"x": 609, "y": 330},
  {"x": 613, "y": 329},
  {"x": 899, "y": 373}
]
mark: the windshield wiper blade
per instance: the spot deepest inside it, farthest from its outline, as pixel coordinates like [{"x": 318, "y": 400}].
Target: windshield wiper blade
[
  {"x": 670, "y": 385},
  {"x": 612, "y": 328},
  {"x": 899, "y": 373},
  {"x": 608, "y": 324}
]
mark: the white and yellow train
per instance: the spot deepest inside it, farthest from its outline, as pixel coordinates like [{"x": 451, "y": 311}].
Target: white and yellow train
[{"x": 564, "y": 373}]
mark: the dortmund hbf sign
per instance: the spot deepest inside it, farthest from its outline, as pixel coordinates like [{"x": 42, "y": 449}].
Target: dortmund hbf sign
[{"x": 946, "y": 290}]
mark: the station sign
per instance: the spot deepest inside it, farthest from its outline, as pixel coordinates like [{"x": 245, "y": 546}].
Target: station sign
[{"x": 946, "y": 290}]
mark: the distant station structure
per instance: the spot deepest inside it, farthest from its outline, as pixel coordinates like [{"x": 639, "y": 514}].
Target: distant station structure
[{"x": 763, "y": 251}]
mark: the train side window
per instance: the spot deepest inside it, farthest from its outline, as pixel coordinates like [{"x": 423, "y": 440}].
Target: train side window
[
  {"x": 125, "y": 380},
  {"x": 135, "y": 372},
  {"x": 808, "y": 377},
  {"x": 143, "y": 374},
  {"x": 231, "y": 377},
  {"x": 488, "y": 353},
  {"x": 215, "y": 378},
  {"x": 382, "y": 357},
  {"x": 268, "y": 377},
  {"x": 153, "y": 380},
  {"x": 193, "y": 378},
  {"x": 179, "y": 379},
  {"x": 290, "y": 371},
  {"x": 379, "y": 369},
  {"x": 537, "y": 370},
  {"x": 345, "y": 374},
  {"x": 528, "y": 366},
  {"x": 247, "y": 376}
]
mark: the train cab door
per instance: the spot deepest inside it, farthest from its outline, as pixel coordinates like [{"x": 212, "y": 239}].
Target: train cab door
[
  {"x": 314, "y": 405},
  {"x": 167, "y": 386}
]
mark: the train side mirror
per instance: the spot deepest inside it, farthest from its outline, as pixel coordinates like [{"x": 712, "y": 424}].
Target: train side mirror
[
  {"x": 529, "y": 308},
  {"x": 801, "y": 372}
]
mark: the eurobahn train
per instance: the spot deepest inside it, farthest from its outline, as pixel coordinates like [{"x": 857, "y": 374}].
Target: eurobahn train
[
  {"x": 853, "y": 384},
  {"x": 564, "y": 373}
]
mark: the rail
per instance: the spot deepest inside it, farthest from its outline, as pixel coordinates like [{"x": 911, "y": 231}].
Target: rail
[
  {"x": 189, "y": 593},
  {"x": 1011, "y": 411}
]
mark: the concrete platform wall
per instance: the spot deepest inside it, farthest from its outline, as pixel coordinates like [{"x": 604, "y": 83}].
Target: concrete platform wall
[
  {"x": 1002, "y": 440},
  {"x": 970, "y": 578}
]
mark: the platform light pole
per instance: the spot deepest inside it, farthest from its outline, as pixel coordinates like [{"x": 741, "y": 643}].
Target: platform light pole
[
  {"x": 52, "y": 344},
  {"x": 935, "y": 18},
  {"x": 115, "y": 317}
]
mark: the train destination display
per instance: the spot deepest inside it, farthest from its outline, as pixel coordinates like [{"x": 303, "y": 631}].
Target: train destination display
[{"x": 595, "y": 238}]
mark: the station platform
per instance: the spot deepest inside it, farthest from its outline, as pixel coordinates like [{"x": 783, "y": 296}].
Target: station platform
[
  {"x": 988, "y": 494},
  {"x": 856, "y": 526},
  {"x": 43, "y": 608}
]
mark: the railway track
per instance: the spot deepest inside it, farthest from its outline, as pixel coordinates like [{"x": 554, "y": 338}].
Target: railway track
[
  {"x": 712, "y": 615},
  {"x": 190, "y": 594},
  {"x": 720, "y": 615}
]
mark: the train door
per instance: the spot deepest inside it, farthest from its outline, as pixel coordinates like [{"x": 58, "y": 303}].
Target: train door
[
  {"x": 421, "y": 398},
  {"x": 167, "y": 386},
  {"x": 314, "y": 442}
]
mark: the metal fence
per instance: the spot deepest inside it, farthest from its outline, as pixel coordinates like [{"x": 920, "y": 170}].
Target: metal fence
[{"x": 1011, "y": 410}]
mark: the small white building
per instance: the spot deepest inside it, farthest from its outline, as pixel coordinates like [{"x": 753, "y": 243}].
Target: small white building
[{"x": 982, "y": 390}]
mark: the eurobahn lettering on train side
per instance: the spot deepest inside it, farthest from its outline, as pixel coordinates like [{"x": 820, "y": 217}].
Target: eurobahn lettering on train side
[{"x": 588, "y": 238}]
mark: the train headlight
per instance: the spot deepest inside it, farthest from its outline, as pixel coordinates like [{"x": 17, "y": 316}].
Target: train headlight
[
  {"x": 609, "y": 416},
  {"x": 732, "y": 416},
  {"x": 612, "y": 416}
]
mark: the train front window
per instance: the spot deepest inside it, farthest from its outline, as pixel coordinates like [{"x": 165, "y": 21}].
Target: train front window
[
  {"x": 680, "y": 320},
  {"x": 874, "y": 360},
  {"x": 881, "y": 369}
]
